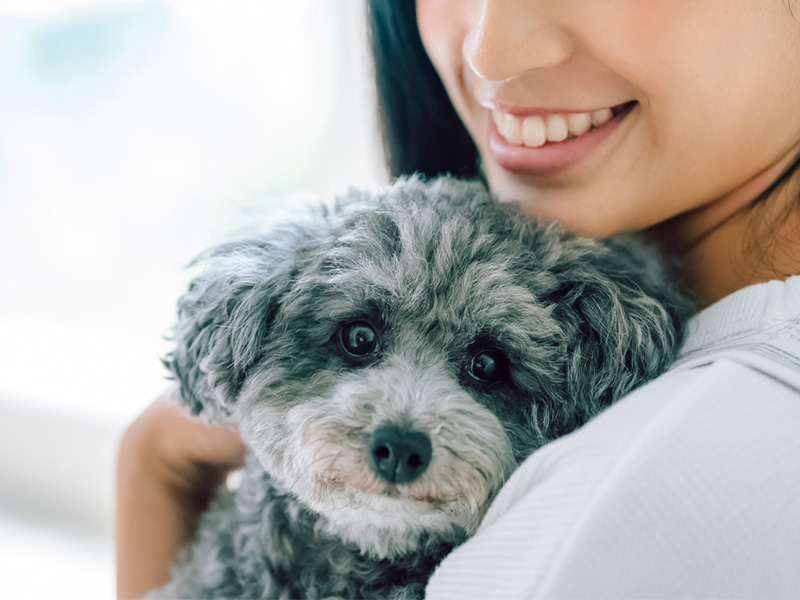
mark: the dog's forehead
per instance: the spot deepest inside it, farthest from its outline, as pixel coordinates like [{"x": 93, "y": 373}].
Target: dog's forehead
[{"x": 431, "y": 267}]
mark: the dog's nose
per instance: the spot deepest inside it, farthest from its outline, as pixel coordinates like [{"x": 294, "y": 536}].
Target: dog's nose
[{"x": 400, "y": 454}]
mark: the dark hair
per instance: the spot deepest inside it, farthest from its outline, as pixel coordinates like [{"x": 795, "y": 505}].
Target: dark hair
[{"x": 421, "y": 131}]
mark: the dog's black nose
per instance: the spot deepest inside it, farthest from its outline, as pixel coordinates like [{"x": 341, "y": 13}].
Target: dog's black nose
[{"x": 400, "y": 454}]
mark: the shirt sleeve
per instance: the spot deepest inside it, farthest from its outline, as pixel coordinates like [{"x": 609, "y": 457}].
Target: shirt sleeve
[{"x": 689, "y": 487}]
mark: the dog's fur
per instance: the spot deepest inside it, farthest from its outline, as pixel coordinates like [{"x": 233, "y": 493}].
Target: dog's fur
[{"x": 439, "y": 271}]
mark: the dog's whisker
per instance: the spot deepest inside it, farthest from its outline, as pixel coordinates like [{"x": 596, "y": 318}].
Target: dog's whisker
[
  {"x": 303, "y": 472},
  {"x": 310, "y": 465}
]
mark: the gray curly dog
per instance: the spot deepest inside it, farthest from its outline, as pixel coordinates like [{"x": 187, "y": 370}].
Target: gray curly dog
[{"x": 389, "y": 361}]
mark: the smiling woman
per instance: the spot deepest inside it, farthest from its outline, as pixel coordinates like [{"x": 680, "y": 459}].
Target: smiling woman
[
  {"x": 691, "y": 142},
  {"x": 672, "y": 144}
]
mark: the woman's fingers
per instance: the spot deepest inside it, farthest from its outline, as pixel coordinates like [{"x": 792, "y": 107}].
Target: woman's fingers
[{"x": 169, "y": 466}]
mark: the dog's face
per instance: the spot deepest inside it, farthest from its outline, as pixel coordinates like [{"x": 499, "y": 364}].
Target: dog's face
[{"x": 392, "y": 363}]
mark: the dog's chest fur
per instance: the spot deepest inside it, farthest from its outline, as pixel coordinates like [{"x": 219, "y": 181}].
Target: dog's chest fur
[{"x": 266, "y": 544}]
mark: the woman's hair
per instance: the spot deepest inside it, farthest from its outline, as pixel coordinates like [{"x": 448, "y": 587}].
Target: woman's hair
[{"x": 421, "y": 131}]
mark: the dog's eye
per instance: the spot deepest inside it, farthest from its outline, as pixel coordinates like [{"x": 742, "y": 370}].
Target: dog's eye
[
  {"x": 358, "y": 338},
  {"x": 488, "y": 366}
]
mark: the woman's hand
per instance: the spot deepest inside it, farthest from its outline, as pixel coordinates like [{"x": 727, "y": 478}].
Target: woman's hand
[{"x": 167, "y": 470}]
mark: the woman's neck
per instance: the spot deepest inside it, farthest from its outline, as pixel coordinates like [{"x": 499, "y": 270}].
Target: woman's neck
[{"x": 733, "y": 242}]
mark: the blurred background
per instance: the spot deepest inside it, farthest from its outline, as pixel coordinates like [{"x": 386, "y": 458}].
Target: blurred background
[{"x": 132, "y": 135}]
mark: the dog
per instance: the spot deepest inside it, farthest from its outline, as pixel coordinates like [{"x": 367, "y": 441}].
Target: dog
[{"x": 389, "y": 361}]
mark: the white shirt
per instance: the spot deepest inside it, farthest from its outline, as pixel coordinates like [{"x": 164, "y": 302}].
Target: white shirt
[{"x": 688, "y": 487}]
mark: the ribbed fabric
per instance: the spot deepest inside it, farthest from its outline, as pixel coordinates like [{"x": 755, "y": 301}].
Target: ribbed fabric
[{"x": 687, "y": 488}]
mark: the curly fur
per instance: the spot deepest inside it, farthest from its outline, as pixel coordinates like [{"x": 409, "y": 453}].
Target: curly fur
[{"x": 437, "y": 269}]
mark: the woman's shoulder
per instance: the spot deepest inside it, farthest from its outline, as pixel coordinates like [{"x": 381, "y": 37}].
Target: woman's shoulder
[{"x": 683, "y": 488}]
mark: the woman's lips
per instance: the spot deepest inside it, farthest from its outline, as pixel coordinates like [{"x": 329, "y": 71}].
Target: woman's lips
[{"x": 552, "y": 157}]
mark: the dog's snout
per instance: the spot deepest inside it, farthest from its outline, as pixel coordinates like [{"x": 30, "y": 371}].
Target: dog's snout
[{"x": 400, "y": 454}]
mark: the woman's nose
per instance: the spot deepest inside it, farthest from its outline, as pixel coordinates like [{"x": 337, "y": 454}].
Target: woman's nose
[{"x": 513, "y": 36}]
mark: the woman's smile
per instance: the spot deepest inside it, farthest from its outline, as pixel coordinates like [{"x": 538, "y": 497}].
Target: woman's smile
[
  {"x": 549, "y": 142},
  {"x": 619, "y": 115}
]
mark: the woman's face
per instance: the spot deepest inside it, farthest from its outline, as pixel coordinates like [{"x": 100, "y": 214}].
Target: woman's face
[{"x": 704, "y": 98}]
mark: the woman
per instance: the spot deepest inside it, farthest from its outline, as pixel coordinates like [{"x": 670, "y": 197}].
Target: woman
[{"x": 676, "y": 119}]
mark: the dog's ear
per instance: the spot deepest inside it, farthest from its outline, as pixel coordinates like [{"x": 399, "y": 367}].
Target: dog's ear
[
  {"x": 226, "y": 314},
  {"x": 624, "y": 317}
]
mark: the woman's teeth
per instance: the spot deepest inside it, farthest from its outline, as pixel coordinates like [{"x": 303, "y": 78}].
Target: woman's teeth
[{"x": 536, "y": 131}]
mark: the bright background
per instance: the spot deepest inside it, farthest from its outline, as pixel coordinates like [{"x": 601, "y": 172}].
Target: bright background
[{"x": 132, "y": 135}]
